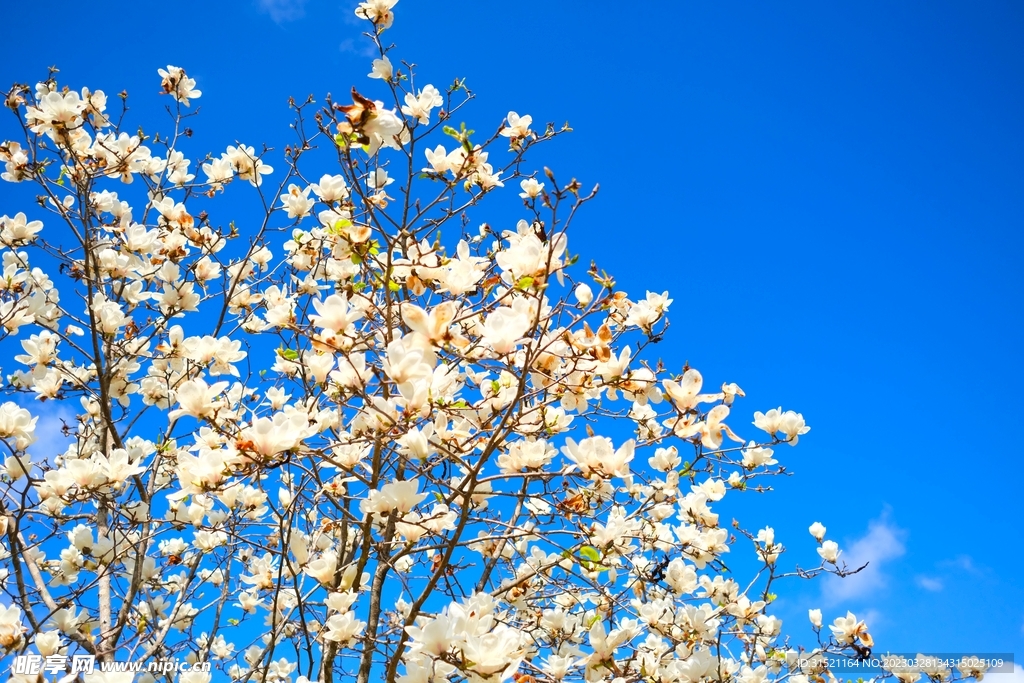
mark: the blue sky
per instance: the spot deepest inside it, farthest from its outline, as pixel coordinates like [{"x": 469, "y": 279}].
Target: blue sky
[{"x": 832, "y": 193}]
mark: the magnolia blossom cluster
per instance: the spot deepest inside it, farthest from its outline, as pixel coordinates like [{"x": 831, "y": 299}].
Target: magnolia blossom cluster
[{"x": 375, "y": 438}]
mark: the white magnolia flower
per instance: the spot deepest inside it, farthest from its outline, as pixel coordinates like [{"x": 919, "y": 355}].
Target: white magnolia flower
[
  {"x": 503, "y": 329},
  {"x": 11, "y": 629},
  {"x": 17, "y": 423},
  {"x": 847, "y": 629},
  {"x": 531, "y": 188},
  {"x": 343, "y": 628},
  {"x": 197, "y": 399},
  {"x": 18, "y": 230},
  {"x": 419, "y": 106},
  {"x": 283, "y": 432},
  {"x": 381, "y": 69},
  {"x": 296, "y": 202},
  {"x": 377, "y": 11},
  {"x": 518, "y": 126},
  {"x": 178, "y": 85},
  {"x": 584, "y": 295},
  {"x": 334, "y": 313},
  {"x": 438, "y": 160},
  {"x": 55, "y": 111},
  {"x": 829, "y": 551},
  {"x": 598, "y": 455},
  {"x": 331, "y": 188},
  {"x": 400, "y": 496}
]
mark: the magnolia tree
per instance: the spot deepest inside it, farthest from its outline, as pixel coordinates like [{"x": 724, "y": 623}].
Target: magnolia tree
[{"x": 332, "y": 444}]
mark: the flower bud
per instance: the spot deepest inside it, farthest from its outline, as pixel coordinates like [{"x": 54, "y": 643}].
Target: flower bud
[
  {"x": 584, "y": 294},
  {"x": 829, "y": 551}
]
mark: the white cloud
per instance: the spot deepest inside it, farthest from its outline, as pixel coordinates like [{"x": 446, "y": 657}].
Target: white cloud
[
  {"x": 963, "y": 563},
  {"x": 50, "y": 440},
  {"x": 883, "y": 542},
  {"x": 929, "y": 583},
  {"x": 348, "y": 15},
  {"x": 873, "y": 618},
  {"x": 1016, "y": 677},
  {"x": 362, "y": 49},
  {"x": 283, "y": 10}
]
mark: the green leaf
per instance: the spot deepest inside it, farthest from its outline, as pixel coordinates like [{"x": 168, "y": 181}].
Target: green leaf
[
  {"x": 394, "y": 286},
  {"x": 233, "y": 622},
  {"x": 591, "y": 553},
  {"x": 495, "y": 386},
  {"x": 524, "y": 283},
  {"x": 288, "y": 354},
  {"x": 461, "y": 135}
]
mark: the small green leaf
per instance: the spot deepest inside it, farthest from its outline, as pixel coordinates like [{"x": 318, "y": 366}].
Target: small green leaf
[
  {"x": 591, "y": 553},
  {"x": 524, "y": 283},
  {"x": 495, "y": 386},
  {"x": 394, "y": 286},
  {"x": 288, "y": 354}
]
